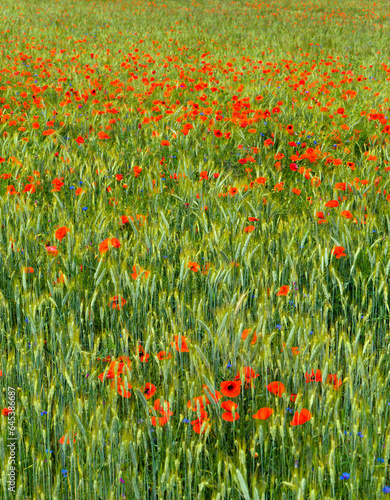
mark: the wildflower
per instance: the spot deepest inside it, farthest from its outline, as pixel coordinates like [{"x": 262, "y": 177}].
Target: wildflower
[
  {"x": 114, "y": 302},
  {"x": 283, "y": 290},
  {"x": 248, "y": 373},
  {"x": 52, "y": 250},
  {"x": 301, "y": 418},
  {"x": 163, "y": 355},
  {"x": 6, "y": 411},
  {"x": 149, "y": 390},
  {"x": 193, "y": 266},
  {"x": 313, "y": 377},
  {"x": 230, "y": 415},
  {"x": 345, "y": 476},
  {"x": 263, "y": 414},
  {"x": 276, "y": 388},
  {"x": 62, "y": 440},
  {"x": 135, "y": 275},
  {"x": 338, "y": 252},
  {"x": 180, "y": 344},
  {"x": 231, "y": 389},
  {"x": 61, "y": 233}
]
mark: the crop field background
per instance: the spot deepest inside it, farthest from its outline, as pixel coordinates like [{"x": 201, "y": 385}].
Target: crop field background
[{"x": 194, "y": 250}]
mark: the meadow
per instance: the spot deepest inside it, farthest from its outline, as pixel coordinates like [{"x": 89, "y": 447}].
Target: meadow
[{"x": 194, "y": 296}]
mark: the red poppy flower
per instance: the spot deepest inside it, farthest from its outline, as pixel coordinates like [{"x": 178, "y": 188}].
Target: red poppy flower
[
  {"x": 137, "y": 170},
  {"x": 122, "y": 387},
  {"x": 193, "y": 266},
  {"x": 183, "y": 341},
  {"x": 347, "y": 214},
  {"x": 293, "y": 398},
  {"x": 301, "y": 418},
  {"x": 198, "y": 403},
  {"x": 263, "y": 413},
  {"x": 142, "y": 355},
  {"x": 248, "y": 373},
  {"x": 62, "y": 440},
  {"x": 149, "y": 390},
  {"x": 283, "y": 290},
  {"x": 61, "y": 233},
  {"x": 28, "y": 270},
  {"x": 6, "y": 411},
  {"x": 163, "y": 355},
  {"x": 332, "y": 204},
  {"x": 245, "y": 334},
  {"x": 215, "y": 396},
  {"x": 114, "y": 302},
  {"x": 51, "y": 250},
  {"x": 80, "y": 140},
  {"x": 231, "y": 388},
  {"x": 276, "y": 388},
  {"x": 313, "y": 377},
  {"x": 165, "y": 143},
  {"x": 339, "y": 252},
  {"x": 230, "y": 415},
  {"x": 135, "y": 274},
  {"x": 199, "y": 423},
  {"x": 334, "y": 381},
  {"x": 249, "y": 229},
  {"x": 103, "y": 135}
]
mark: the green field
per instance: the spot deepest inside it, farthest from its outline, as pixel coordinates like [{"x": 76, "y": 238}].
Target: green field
[{"x": 194, "y": 252}]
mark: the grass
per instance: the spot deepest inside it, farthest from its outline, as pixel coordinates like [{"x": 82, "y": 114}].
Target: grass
[{"x": 236, "y": 93}]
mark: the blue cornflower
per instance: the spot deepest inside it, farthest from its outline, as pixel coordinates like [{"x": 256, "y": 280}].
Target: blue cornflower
[
  {"x": 49, "y": 451},
  {"x": 64, "y": 472},
  {"x": 71, "y": 187},
  {"x": 360, "y": 435},
  {"x": 279, "y": 327},
  {"x": 345, "y": 475},
  {"x": 380, "y": 460},
  {"x": 229, "y": 365},
  {"x": 386, "y": 489},
  {"x": 43, "y": 413},
  {"x": 186, "y": 421},
  {"x": 85, "y": 208}
]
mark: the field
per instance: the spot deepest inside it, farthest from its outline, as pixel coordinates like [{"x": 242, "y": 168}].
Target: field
[{"x": 194, "y": 252}]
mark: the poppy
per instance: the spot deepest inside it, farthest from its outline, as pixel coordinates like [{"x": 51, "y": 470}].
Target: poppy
[
  {"x": 198, "y": 424},
  {"x": 162, "y": 407},
  {"x": 231, "y": 389},
  {"x": 229, "y": 415},
  {"x": 198, "y": 403},
  {"x": 301, "y": 418},
  {"x": 203, "y": 175},
  {"x": 51, "y": 250},
  {"x": 6, "y": 411},
  {"x": 245, "y": 334},
  {"x": 249, "y": 229},
  {"x": 28, "y": 270},
  {"x": 114, "y": 304},
  {"x": 276, "y": 388},
  {"x": 163, "y": 355},
  {"x": 61, "y": 233},
  {"x": 215, "y": 396},
  {"x": 339, "y": 252},
  {"x": 193, "y": 266},
  {"x": 62, "y": 440},
  {"x": 293, "y": 398},
  {"x": 332, "y": 204},
  {"x": 334, "y": 381},
  {"x": 252, "y": 219},
  {"x": 149, "y": 390},
  {"x": 137, "y": 170},
  {"x": 142, "y": 355},
  {"x": 263, "y": 413},
  {"x": 80, "y": 140},
  {"x": 122, "y": 387},
  {"x": 283, "y": 290},
  {"x": 165, "y": 143},
  {"x": 313, "y": 377},
  {"x": 180, "y": 344},
  {"x": 135, "y": 275},
  {"x": 103, "y": 135},
  {"x": 248, "y": 373}
]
